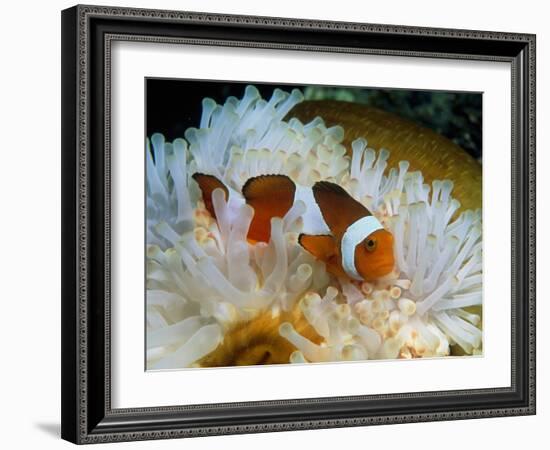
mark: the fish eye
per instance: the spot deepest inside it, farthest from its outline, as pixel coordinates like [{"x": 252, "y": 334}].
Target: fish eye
[{"x": 370, "y": 245}]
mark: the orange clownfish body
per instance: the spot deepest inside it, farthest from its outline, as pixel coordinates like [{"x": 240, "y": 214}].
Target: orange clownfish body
[{"x": 338, "y": 230}]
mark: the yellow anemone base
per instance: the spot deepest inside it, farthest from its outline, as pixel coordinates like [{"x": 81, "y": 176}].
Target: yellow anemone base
[{"x": 257, "y": 342}]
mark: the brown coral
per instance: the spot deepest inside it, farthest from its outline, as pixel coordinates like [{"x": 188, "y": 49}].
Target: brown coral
[{"x": 434, "y": 155}]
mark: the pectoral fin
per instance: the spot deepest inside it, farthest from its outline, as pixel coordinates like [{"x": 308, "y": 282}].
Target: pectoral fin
[{"x": 325, "y": 249}]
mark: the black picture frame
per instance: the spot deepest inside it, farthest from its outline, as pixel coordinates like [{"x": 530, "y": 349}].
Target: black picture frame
[{"x": 87, "y": 33}]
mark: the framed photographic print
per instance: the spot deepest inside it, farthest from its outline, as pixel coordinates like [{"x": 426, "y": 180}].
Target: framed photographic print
[{"x": 282, "y": 224}]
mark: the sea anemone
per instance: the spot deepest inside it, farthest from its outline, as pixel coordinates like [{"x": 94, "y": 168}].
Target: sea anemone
[
  {"x": 419, "y": 312},
  {"x": 211, "y": 294}
]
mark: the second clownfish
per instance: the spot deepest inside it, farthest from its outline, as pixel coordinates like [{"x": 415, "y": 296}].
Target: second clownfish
[{"x": 338, "y": 230}]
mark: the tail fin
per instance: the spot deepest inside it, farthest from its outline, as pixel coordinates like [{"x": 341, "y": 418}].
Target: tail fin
[{"x": 207, "y": 184}]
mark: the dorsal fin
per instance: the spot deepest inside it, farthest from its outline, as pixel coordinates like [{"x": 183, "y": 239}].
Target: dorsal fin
[
  {"x": 270, "y": 196},
  {"x": 207, "y": 184},
  {"x": 339, "y": 209}
]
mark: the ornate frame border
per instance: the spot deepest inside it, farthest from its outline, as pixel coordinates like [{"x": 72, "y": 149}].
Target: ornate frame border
[{"x": 87, "y": 35}]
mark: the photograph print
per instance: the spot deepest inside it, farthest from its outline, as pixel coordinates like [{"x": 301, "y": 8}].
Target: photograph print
[{"x": 293, "y": 224}]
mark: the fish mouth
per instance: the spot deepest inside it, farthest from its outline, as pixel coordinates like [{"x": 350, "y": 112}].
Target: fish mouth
[
  {"x": 388, "y": 272},
  {"x": 383, "y": 273}
]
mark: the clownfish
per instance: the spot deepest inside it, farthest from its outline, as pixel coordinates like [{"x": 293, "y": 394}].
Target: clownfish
[{"x": 338, "y": 230}]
